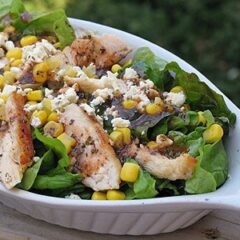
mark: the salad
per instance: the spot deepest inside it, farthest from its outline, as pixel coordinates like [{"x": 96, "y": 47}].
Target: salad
[{"x": 79, "y": 119}]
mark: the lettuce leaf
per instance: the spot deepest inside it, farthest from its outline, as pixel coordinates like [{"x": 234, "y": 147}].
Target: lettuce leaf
[{"x": 144, "y": 187}]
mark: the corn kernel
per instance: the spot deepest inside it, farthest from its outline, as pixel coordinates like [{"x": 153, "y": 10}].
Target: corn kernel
[
  {"x": 153, "y": 108},
  {"x": 129, "y": 172},
  {"x": 57, "y": 45},
  {"x": 2, "y": 81},
  {"x": 127, "y": 63},
  {"x": 47, "y": 105},
  {"x": 4, "y": 97},
  {"x": 201, "y": 119},
  {"x": 70, "y": 72},
  {"x": 53, "y": 129},
  {"x": 15, "y": 53},
  {"x": 41, "y": 115},
  {"x": 117, "y": 138},
  {"x": 115, "y": 195},
  {"x": 68, "y": 141},
  {"x": 53, "y": 62},
  {"x": 36, "y": 95},
  {"x": 53, "y": 117},
  {"x": 16, "y": 62},
  {"x": 9, "y": 77},
  {"x": 7, "y": 67},
  {"x": 177, "y": 89},
  {"x": 129, "y": 104},
  {"x": 40, "y": 72},
  {"x": 115, "y": 68},
  {"x": 152, "y": 145},
  {"x": 99, "y": 196},
  {"x": 126, "y": 134},
  {"x": 28, "y": 40},
  {"x": 213, "y": 134}
]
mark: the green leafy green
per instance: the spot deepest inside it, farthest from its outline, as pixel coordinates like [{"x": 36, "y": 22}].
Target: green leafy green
[
  {"x": 144, "y": 187},
  {"x": 64, "y": 180}
]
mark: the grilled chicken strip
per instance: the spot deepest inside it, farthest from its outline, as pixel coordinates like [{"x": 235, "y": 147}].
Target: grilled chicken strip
[
  {"x": 181, "y": 167},
  {"x": 16, "y": 146},
  {"x": 103, "y": 51},
  {"x": 94, "y": 157}
]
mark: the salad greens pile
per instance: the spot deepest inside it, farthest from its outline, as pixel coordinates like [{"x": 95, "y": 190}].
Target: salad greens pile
[{"x": 55, "y": 22}]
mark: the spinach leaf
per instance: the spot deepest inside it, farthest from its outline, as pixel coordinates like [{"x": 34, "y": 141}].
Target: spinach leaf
[
  {"x": 144, "y": 187},
  {"x": 56, "y": 146},
  {"x": 64, "y": 180},
  {"x": 151, "y": 65}
]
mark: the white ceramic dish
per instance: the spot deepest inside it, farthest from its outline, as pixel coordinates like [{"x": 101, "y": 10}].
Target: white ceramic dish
[{"x": 135, "y": 217}]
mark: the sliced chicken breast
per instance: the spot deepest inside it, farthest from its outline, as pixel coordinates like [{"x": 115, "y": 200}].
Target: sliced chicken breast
[
  {"x": 103, "y": 51},
  {"x": 181, "y": 167},
  {"x": 93, "y": 156},
  {"x": 16, "y": 146}
]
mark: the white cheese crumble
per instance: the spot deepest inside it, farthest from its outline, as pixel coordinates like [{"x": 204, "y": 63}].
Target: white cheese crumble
[
  {"x": 146, "y": 84},
  {"x": 64, "y": 99},
  {"x": 97, "y": 101},
  {"x": 9, "y": 45},
  {"x": 88, "y": 109},
  {"x": 130, "y": 73},
  {"x": 36, "y": 122},
  {"x": 16, "y": 71},
  {"x": 120, "y": 123},
  {"x": 33, "y": 107},
  {"x": 176, "y": 99},
  {"x": 104, "y": 93},
  {"x": 37, "y": 52},
  {"x": 73, "y": 196},
  {"x": 8, "y": 89},
  {"x": 3, "y": 62}
]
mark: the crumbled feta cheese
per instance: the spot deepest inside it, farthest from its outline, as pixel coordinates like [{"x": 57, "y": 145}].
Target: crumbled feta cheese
[
  {"x": 36, "y": 122},
  {"x": 176, "y": 99},
  {"x": 36, "y": 159},
  {"x": 130, "y": 73},
  {"x": 33, "y": 107},
  {"x": 73, "y": 196},
  {"x": 104, "y": 93},
  {"x": 37, "y": 52},
  {"x": 9, "y": 45},
  {"x": 64, "y": 99},
  {"x": 111, "y": 111},
  {"x": 88, "y": 109},
  {"x": 8, "y": 89},
  {"x": 120, "y": 123},
  {"x": 48, "y": 93},
  {"x": 80, "y": 73},
  {"x": 3, "y": 62},
  {"x": 97, "y": 101},
  {"x": 16, "y": 71},
  {"x": 146, "y": 84}
]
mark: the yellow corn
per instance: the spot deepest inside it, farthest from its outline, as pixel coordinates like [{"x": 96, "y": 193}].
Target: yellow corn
[
  {"x": 7, "y": 67},
  {"x": 53, "y": 117},
  {"x": 68, "y": 141},
  {"x": 117, "y": 138},
  {"x": 28, "y": 40},
  {"x": 9, "y": 77},
  {"x": 4, "y": 97},
  {"x": 53, "y": 62},
  {"x": 15, "y": 53},
  {"x": 213, "y": 134},
  {"x": 177, "y": 89},
  {"x": 129, "y": 104},
  {"x": 127, "y": 63},
  {"x": 40, "y": 72},
  {"x": 47, "y": 105},
  {"x": 115, "y": 68},
  {"x": 201, "y": 119},
  {"x": 99, "y": 196},
  {"x": 70, "y": 72},
  {"x": 36, "y": 95},
  {"x": 152, "y": 145},
  {"x": 126, "y": 132},
  {"x": 153, "y": 108},
  {"x": 129, "y": 172},
  {"x": 16, "y": 62},
  {"x": 2, "y": 81},
  {"x": 53, "y": 129},
  {"x": 115, "y": 195},
  {"x": 41, "y": 115},
  {"x": 57, "y": 45}
]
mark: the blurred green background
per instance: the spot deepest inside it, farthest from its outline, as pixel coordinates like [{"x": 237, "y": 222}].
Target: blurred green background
[{"x": 204, "y": 33}]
